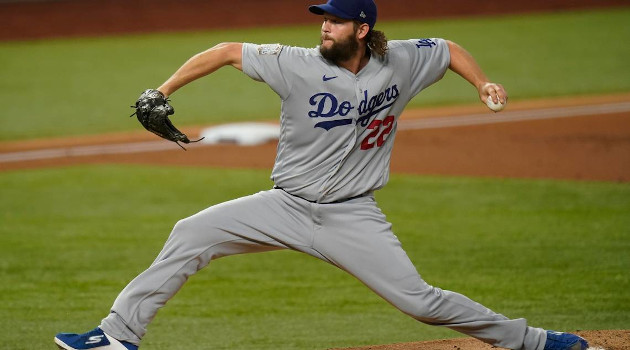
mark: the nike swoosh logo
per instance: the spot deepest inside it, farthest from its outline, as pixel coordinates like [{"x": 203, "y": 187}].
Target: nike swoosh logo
[{"x": 325, "y": 78}]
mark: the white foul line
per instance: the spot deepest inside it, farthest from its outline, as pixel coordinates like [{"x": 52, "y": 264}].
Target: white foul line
[
  {"x": 77, "y": 151},
  {"x": 415, "y": 124},
  {"x": 513, "y": 116}
]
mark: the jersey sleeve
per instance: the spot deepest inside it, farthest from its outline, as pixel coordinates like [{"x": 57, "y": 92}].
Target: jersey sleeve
[
  {"x": 263, "y": 63},
  {"x": 428, "y": 61}
]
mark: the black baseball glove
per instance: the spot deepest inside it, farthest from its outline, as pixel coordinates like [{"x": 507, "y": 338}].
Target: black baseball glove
[{"x": 152, "y": 110}]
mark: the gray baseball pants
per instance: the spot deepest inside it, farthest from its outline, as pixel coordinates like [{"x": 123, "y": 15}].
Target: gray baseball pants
[{"x": 353, "y": 235}]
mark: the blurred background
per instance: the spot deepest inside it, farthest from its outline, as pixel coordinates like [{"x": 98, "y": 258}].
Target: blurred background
[{"x": 27, "y": 19}]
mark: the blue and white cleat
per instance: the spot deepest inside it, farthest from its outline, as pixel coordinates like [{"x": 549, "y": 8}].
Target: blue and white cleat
[
  {"x": 93, "y": 340},
  {"x": 564, "y": 341}
]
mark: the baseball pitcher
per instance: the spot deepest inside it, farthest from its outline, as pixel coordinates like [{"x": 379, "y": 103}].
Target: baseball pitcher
[{"x": 340, "y": 107}]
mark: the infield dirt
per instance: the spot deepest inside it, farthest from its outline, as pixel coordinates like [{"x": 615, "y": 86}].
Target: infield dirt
[{"x": 585, "y": 147}]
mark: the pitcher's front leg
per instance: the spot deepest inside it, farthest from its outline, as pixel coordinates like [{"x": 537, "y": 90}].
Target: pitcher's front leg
[{"x": 229, "y": 228}]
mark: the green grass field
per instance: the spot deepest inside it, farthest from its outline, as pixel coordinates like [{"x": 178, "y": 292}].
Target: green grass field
[
  {"x": 551, "y": 251},
  {"x": 79, "y": 86},
  {"x": 555, "y": 252}
]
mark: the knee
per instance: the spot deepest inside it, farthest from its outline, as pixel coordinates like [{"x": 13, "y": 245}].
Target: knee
[
  {"x": 182, "y": 231},
  {"x": 184, "y": 227},
  {"x": 192, "y": 233},
  {"x": 422, "y": 305},
  {"x": 201, "y": 233},
  {"x": 190, "y": 239}
]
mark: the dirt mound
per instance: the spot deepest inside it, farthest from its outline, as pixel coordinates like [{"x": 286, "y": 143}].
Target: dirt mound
[{"x": 604, "y": 339}]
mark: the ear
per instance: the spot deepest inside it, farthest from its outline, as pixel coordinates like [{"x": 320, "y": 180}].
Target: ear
[{"x": 363, "y": 30}]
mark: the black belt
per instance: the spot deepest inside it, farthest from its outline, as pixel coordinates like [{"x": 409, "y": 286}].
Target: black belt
[{"x": 337, "y": 201}]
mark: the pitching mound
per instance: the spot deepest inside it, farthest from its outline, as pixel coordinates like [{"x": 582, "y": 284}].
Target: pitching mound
[{"x": 607, "y": 340}]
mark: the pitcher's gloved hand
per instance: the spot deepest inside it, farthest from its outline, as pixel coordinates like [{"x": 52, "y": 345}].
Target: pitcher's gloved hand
[{"x": 152, "y": 110}]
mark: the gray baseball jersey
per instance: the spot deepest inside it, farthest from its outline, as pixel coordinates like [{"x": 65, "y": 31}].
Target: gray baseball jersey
[
  {"x": 337, "y": 127},
  {"x": 337, "y": 131}
]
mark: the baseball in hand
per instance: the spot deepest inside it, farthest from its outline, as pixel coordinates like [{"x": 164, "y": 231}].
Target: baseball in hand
[{"x": 495, "y": 106}]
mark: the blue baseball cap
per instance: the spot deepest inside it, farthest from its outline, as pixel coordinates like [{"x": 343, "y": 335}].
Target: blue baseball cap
[{"x": 363, "y": 11}]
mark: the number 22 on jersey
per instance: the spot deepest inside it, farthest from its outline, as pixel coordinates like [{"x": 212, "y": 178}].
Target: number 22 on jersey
[{"x": 380, "y": 130}]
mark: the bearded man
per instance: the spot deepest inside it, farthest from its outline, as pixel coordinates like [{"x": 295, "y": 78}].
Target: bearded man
[{"x": 340, "y": 106}]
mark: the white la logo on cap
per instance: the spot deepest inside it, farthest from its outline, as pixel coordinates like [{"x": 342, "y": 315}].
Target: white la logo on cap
[{"x": 362, "y": 14}]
